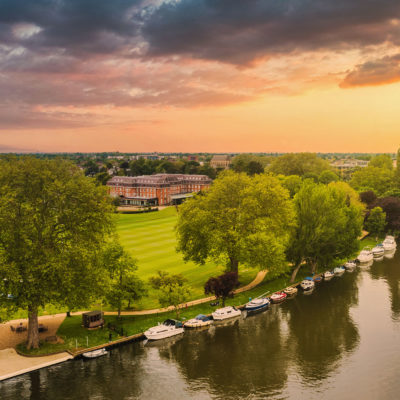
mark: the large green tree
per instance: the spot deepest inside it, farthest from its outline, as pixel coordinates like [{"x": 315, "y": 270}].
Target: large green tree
[
  {"x": 381, "y": 161},
  {"x": 329, "y": 221},
  {"x": 240, "y": 219},
  {"x": 53, "y": 224},
  {"x": 376, "y": 221},
  {"x": 380, "y": 180},
  {"x": 299, "y": 164}
]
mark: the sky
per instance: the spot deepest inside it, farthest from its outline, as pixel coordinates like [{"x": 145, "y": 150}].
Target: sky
[{"x": 199, "y": 75}]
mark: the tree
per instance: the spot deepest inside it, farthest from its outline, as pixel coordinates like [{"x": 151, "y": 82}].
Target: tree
[
  {"x": 380, "y": 180},
  {"x": 329, "y": 223},
  {"x": 124, "y": 285},
  {"x": 327, "y": 177},
  {"x": 172, "y": 289},
  {"x": 382, "y": 161},
  {"x": 53, "y": 224},
  {"x": 376, "y": 221},
  {"x": 222, "y": 286},
  {"x": 254, "y": 167},
  {"x": 238, "y": 220},
  {"x": 368, "y": 197},
  {"x": 391, "y": 206},
  {"x": 298, "y": 164},
  {"x": 292, "y": 183}
]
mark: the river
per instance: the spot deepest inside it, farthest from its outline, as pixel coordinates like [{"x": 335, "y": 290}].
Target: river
[{"x": 341, "y": 342}]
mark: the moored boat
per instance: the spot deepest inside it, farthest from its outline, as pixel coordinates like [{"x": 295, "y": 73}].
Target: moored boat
[
  {"x": 350, "y": 266},
  {"x": 258, "y": 304},
  {"x": 338, "y": 271},
  {"x": 318, "y": 279},
  {"x": 389, "y": 244},
  {"x": 226, "y": 313},
  {"x": 307, "y": 284},
  {"x": 378, "y": 250},
  {"x": 291, "y": 291},
  {"x": 328, "y": 275},
  {"x": 168, "y": 328},
  {"x": 198, "y": 322},
  {"x": 365, "y": 256},
  {"x": 95, "y": 353},
  {"x": 278, "y": 297}
]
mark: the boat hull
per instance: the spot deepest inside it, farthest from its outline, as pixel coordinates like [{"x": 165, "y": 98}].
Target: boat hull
[
  {"x": 257, "y": 308},
  {"x": 163, "y": 335}
]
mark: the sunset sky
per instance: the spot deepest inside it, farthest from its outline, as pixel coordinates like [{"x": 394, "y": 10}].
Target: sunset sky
[{"x": 200, "y": 75}]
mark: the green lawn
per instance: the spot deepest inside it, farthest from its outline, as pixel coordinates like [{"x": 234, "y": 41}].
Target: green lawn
[{"x": 150, "y": 238}]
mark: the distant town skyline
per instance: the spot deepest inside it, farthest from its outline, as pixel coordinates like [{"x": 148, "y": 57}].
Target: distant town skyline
[{"x": 199, "y": 76}]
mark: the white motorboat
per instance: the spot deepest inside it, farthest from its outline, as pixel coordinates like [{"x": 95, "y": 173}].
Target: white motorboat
[
  {"x": 307, "y": 284},
  {"x": 350, "y": 266},
  {"x": 226, "y": 313},
  {"x": 258, "y": 304},
  {"x": 338, "y": 271},
  {"x": 365, "y": 256},
  {"x": 389, "y": 254},
  {"x": 389, "y": 243},
  {"x": 328, "y": 275},
  {"x": 291, "y": 291},
  {"x": 95, "y": 353},
  {"x": 378, "y": 250},
  {"x": 278, "y": 297},
  {"x": 168, "y": 328},
  {"x": 198, "y": 322}
]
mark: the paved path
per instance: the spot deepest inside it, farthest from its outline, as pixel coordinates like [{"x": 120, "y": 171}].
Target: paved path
[
  {"x": 12, "y": 364},
  {"x": 257, "y": 280}
]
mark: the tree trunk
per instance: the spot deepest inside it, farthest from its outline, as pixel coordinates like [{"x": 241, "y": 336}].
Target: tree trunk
[
  {"x": 33, "y": 328},
  {"x": 223, "y": 301},
  {"x": 313, "y": 267},
  {"x": 234, "y": 264},
  {"x": 295, "y": 271}
]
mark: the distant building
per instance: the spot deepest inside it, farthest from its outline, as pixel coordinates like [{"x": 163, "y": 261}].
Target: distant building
[
  {"x": 349, "y": 164},
  {"x": 220, "y": 161},
  {"x": 193, "y": 158},
  {"x": 159, "y": 189}
]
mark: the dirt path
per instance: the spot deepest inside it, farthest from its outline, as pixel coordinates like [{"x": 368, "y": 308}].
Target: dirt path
[{"x": 8, "y": 338}]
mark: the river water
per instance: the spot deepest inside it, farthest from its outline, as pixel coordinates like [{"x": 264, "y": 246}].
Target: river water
[{"x": 341, "y": 342}]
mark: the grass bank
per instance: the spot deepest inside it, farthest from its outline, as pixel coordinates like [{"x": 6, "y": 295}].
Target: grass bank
[{"x": 150, "y": 238}]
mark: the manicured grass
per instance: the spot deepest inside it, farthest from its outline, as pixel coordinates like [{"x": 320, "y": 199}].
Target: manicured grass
[{"x": 150, "y": 238}]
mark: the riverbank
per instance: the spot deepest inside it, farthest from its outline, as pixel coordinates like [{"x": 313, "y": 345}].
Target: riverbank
[{"x": 13, "y": 364}]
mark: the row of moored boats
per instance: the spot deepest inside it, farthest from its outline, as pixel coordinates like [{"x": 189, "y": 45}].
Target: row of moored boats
[{"x": 171, "y": 327}]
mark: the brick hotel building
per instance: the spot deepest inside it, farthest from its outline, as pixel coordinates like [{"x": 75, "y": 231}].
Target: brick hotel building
[{"x": 159, "y": 189}]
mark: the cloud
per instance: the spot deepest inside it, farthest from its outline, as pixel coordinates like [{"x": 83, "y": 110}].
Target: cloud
[
  {"x": 374, "y": 72},
  {"x": 241, "y": 32}
]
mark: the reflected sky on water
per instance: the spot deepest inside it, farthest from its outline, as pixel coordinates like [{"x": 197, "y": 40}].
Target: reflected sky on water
[{"x": 341, "y": 342}]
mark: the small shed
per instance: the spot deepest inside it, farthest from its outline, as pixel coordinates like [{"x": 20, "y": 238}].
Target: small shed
[{"x": 93, "y": 319}]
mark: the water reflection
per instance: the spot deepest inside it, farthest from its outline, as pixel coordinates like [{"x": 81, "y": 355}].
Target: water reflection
[
  {"x": 327, "y": 342},
  {"x": 390, "y": 272},
  {"x": 321, "y": 328}
]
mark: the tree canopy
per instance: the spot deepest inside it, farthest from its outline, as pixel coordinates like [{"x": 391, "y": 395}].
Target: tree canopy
[
  {"x": 382, "y": 161},
  {"x": 172, "y": 289},
  {"x": 329, "y": 224},
  {"x": 299, "y": 164},
  {"x": 222, "y": 286},
  {"x": 240, "y": 219},
  {"x": 376, "y": 221},
  {"x": 53, "y": 224},
  {"x": 380, "y": 180}
]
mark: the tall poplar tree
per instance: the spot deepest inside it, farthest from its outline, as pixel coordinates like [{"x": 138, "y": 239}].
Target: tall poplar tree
[{"x": 53, "y": 224}]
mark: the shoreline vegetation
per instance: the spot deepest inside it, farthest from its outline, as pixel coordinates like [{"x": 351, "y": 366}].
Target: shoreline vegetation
[{"x": 76, "y": 338}]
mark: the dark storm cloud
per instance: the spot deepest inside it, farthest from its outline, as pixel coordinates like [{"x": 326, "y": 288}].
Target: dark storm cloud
[
  {"x": 86, "y": 26},
  {"x": 375, "y": 72},
  {"x": 239, "y": 32}
]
